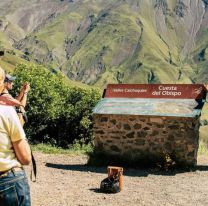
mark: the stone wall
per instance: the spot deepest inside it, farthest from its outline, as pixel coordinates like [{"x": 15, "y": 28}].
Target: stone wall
[{"x": 147, "y": 136}]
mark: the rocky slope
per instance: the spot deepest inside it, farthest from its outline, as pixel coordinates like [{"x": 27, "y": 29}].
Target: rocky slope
[{"x": 125, "y": 41}]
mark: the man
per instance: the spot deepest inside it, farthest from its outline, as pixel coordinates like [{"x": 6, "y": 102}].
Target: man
[
  {"x": 22, "y": 97},
  {"x": 14, "y": 152}
]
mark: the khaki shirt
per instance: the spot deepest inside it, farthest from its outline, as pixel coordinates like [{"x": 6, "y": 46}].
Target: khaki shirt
[{"x": 10, "y": 131}]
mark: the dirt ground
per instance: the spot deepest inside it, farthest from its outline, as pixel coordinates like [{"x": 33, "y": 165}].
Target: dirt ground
[{"x": 65, "y": 180}]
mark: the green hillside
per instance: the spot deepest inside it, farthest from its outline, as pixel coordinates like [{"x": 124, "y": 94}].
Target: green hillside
[
  {"x": 116, "y": 41},
  {"x": 9, "y": 61}
]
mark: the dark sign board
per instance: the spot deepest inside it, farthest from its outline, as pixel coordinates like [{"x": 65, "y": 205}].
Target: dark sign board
[{"x": 174, "y": 91}]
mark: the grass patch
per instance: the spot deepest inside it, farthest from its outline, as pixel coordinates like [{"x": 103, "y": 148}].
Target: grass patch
[
  {"x": 74, "y": 149},
  {"x": 203, "y": 148},
  {"x": 9, "y": 61},
  {"x": 56, "y": 31},
  {"x": 77, "y": 148}
]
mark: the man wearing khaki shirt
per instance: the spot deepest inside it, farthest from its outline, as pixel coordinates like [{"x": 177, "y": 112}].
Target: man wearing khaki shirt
[{"x": 14, "y": 152}]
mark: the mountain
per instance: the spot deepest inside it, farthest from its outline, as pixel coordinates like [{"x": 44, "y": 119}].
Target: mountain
[{"x": 99, "y": 42}]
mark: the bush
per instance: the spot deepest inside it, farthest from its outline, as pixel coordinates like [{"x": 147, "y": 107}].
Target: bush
[{"x": 58, "y": 113}]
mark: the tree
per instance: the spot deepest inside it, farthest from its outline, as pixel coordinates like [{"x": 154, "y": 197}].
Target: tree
[{"x": 58, "y": 113}]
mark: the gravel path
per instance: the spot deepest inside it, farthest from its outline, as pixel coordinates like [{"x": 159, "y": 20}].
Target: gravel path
[{"x": 65, "y": 180}]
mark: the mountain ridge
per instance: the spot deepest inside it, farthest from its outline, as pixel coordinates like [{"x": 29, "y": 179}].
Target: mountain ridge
[{"x": 122, "y": 41}]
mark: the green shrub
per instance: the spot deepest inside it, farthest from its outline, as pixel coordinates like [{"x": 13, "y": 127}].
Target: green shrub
[{"x": 58, "y": 113}]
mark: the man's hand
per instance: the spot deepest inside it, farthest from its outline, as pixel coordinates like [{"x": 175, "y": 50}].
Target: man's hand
[
  {"x": 206, "y": 87},
  {"x": 26, "y": 87}
]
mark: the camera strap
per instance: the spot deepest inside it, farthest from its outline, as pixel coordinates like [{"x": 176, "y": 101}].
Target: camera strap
[{"x": 34, "y": 169}]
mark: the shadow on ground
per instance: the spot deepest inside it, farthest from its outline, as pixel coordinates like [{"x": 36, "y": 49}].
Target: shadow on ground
[
  {"x": 77, "y": 167},
  {"x": 133, "y": 172}
]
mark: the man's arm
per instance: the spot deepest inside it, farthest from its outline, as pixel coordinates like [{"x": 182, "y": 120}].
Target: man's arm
[
  {"x": 22, "y": 151},
  {"x": 18, "y": 138},
  {"x": 22, "y": 97}
]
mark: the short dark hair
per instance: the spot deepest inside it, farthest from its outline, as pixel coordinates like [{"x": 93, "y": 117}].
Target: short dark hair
[{"x": 1, "y": 53}]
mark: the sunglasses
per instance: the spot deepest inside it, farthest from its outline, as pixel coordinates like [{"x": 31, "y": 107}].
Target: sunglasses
[{"x": 10, "y": 82}]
